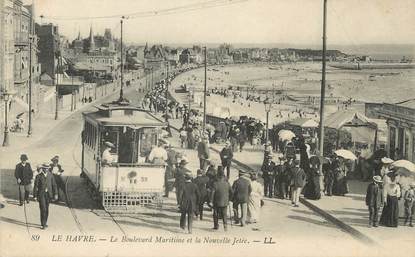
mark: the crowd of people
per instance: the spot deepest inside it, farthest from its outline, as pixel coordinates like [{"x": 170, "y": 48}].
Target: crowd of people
[
  {"x": 384, "y": 192},
  {"x": 211, "y": 187},
  {"x": 297, "y": 172}
]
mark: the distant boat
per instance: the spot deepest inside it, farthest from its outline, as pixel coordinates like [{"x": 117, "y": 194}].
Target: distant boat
[{"x": 273, "y": 68}]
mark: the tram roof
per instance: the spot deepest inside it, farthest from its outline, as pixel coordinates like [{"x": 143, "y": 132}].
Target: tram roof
[{"x": 114, "y": 114}]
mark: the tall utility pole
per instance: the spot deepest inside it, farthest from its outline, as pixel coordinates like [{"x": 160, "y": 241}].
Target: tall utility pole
[
  {"x": 146, "y": 76},
  {"x": 167, "y": 94},
  {"x": 204, "y": 93},
  {"x": 323, "y": 84},
  {"x": 152, "y": 78},
  {"x": 29, "y": 130},
  {"x": 56, "y": 76},
  {"x": 167, "y": 91},
  {"x": 122, "y": 66}
]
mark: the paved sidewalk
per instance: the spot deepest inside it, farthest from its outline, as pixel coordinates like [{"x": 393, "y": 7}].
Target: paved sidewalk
[
  {"x": 349, "y": 210},
  {"x": 45, "y": 122}
]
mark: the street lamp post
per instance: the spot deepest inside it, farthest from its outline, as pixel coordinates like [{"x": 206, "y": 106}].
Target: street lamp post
[
  {"x": 6, "y": 126},
  {"x": 267, "y": 105}
]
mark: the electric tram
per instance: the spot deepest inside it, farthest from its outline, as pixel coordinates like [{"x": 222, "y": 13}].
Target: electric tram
[{"x": 129, "y": 182}]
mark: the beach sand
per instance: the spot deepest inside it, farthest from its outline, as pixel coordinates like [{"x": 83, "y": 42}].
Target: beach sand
[{"x": 299, "y": 80}]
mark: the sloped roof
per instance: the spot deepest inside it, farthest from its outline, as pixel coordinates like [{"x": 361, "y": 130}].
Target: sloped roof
[
  {"x": 304, "y": 123},
  {"x": 347, "y": 117},
  {"x": 407, "y": 103}
]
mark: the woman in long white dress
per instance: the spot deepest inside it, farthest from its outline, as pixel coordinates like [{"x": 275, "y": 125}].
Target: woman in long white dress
[{"x": 254, "y": 204}]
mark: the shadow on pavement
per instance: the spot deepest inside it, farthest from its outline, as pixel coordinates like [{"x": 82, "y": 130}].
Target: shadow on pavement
[
  {"x": 355, "y": 221},
  {"x": 8, "y": 184},
  {"x": 154, "y": 224},
  {"x": 19, "y": 223},
  {"x": 313, "y": 221}
]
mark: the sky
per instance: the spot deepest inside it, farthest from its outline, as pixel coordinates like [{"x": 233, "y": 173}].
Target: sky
[{"x": 350, "y": 22}]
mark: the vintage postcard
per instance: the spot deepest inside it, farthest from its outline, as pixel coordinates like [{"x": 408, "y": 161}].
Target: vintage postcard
[{"x": 207, "y": 128}]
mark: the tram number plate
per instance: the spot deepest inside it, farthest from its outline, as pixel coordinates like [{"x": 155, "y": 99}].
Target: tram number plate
[{"x": 143, "y": 179}]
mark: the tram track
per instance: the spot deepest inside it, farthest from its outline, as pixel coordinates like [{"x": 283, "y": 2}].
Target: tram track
[{"x": 68, "y": 196}]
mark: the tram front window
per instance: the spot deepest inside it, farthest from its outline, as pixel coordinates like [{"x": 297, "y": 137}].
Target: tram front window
[{"x": 131, "y": 146}]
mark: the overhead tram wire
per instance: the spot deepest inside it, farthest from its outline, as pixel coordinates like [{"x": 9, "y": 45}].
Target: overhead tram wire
[{"x": 160, "y": 12}]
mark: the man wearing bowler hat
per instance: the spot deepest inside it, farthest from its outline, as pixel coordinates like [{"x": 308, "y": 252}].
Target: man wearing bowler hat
[
  {"x": 24, "y": 176},
  {"x": 44, "y": 190}
]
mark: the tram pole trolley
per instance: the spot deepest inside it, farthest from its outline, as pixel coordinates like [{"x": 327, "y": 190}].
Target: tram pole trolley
[{"x": 121, "y": 175}]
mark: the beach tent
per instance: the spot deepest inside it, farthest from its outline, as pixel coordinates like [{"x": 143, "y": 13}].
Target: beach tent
[
  {"x": 350, "y": 118},
  {"x": 361, "y": 128}
]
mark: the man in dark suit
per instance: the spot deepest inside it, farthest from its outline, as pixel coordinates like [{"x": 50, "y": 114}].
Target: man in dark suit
[
  {"x": 24, "y": 176},
  {"x": 45, "y": 188},
  {"x": 226, "y": 156},
  {"x": 241, "y": 190},
  {"x": 267, "y": 169},
  {"x": 201, "y": 182},
  {"x": 374, "y": 200},
  {"x": 189, "y": 203},
  {"x": 221, "y": 193},
  {"x": 179, "y": 179}
]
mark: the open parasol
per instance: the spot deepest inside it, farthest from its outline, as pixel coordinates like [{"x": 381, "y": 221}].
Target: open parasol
[
  {"x": 346, "y": 154},
  {"x": 286, "y": 134},
  {"x": 404, "y": 167}
]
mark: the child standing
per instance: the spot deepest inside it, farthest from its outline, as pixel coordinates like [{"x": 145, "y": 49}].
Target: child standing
[{"x": 409, "y": 204}]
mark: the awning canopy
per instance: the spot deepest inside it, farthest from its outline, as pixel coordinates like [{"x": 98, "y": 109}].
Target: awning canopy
[{"x": 350, "y": 118}]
